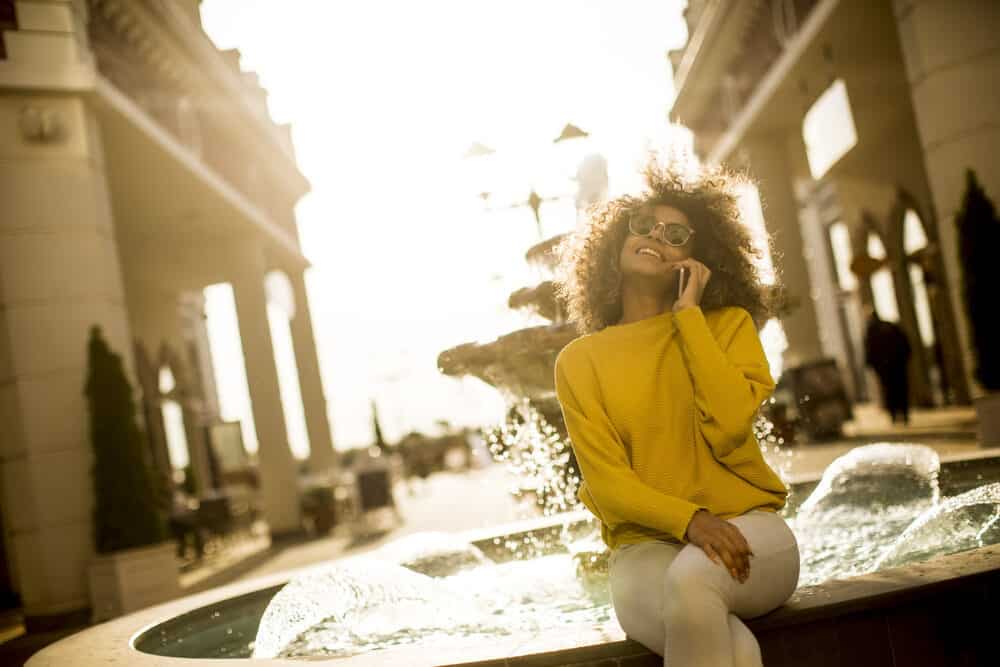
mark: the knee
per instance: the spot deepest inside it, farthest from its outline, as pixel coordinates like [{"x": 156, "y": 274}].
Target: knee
[{"x": 684, "y": 593}]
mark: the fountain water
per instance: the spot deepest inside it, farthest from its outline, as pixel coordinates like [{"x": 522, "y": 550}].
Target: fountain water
[
  {"x": 864, "y": 500},
  {"x": 877, "y": 475},
  {"x": 967, "y": 521},
  {"x": 354, "y": 607}
]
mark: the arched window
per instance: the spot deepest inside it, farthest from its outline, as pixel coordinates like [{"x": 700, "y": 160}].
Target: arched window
[
  {"x": 173, "y": 422},
  {"x": 840, "y": 243},
  {"x": 915, "y": 239},
  {"x": 883, "y": 291}
]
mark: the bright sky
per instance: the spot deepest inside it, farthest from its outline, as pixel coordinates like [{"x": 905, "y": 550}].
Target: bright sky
[{"x": 384, "y": 99}]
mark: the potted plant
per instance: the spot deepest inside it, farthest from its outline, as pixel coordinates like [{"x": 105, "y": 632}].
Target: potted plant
[
  {"x": 979, "y": 237},
  {"x": 136, "y": 565}
]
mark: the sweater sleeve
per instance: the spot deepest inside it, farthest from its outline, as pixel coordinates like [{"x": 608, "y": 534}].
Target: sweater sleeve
[
  {"x": 610, "y": 483},
  {"x": 731, "y": 376}
]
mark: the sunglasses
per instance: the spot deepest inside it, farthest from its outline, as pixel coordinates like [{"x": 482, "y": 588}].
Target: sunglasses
[{"x": 673, "y": 233}]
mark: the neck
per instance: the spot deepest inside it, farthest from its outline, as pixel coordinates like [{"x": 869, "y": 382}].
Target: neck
[{"x": 642, "y": 300}]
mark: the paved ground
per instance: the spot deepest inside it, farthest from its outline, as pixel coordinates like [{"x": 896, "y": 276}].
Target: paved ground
[{"x": 447, "y": 502}]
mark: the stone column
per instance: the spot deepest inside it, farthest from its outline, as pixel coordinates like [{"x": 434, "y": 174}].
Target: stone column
[
  {"x": 59, "y": 275},
  {"x": 277, "y": 468},
  {"x": 953, "y": 64},
  {"x": 321, "y": 453},
  {"x": 768, "y": 162}
]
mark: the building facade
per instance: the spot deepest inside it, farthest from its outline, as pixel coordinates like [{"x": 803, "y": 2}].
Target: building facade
[
  {"x": 138, "y": 165},
  {"x": 858, "y": 119}
]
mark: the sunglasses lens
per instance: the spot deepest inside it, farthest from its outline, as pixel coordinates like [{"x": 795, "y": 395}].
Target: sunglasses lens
[
  {"x": 676, "y": 234},
  {"x": 673, "y": 233},
  {"x": 641, "y": 225}
]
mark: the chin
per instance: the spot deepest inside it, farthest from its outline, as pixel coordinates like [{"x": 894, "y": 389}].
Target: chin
[{"x": 650, "y": 274}]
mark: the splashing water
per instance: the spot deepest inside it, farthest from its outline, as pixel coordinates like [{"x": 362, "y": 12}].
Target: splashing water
[
  {"x": 878, "y": 475},
  {"x": 864, "y": 500},
  {"x": 357, "y": 598},
  {"x": 535, "y": 453},
  {"x": 359, "y": 607},
  {"x": 434, "y": 554},
  {"x": 778, "y": 457},
  {"x": 967, "y": 521}
]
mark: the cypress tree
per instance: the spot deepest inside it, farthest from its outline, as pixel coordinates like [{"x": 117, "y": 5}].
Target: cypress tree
[
  {"x": 126, "y": 513},
  {"x": 979, "y": 239},
  {"x": 379, "y": 440}
]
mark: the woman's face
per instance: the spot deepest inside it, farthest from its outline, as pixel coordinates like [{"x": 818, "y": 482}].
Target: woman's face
[{"x": 649, "y": 255}]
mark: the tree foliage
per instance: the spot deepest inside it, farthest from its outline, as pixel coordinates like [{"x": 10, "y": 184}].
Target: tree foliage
[
  {"x": 979, "y": 239},
  {"x": 126, "y": 512}
]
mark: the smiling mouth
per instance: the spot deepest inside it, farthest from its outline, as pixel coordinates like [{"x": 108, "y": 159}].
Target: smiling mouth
[{"x": 650, "y": 252}]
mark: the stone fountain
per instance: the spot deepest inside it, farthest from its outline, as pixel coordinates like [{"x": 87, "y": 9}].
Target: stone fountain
[{"x": 521, "y": 364}]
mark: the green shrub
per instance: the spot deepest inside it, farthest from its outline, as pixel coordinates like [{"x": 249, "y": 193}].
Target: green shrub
[{"x": 126, "y": 512}]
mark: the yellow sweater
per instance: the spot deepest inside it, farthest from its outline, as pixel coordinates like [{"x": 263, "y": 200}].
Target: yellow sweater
[{"x": 659, "y": 413}]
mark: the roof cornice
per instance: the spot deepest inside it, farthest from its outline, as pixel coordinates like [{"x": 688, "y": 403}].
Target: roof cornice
[
  {"x": 167, "y": 37},
  {"x": 715, "y": 42}
]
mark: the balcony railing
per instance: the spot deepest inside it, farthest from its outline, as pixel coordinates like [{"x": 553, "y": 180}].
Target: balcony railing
[{"x": 771, "y": 27}]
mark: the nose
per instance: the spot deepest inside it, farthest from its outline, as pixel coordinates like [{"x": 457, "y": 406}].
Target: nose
[{"x": 652, "y": 232}]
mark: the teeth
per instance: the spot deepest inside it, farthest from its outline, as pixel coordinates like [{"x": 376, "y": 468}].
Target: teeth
[{"x": 649, "y": 251}]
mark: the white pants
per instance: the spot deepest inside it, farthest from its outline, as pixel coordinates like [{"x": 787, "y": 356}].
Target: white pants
[{"x": 676, "y": 602}]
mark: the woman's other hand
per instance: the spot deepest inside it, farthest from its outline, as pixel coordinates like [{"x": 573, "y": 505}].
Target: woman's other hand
[
  {"x": 721, "y": 540},
  {"x": 697, "y": 278}
]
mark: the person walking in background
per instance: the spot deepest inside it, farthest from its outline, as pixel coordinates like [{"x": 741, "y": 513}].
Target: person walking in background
[
  {"x": 887, "y": 351},
  {"x": 659, "y": 397}
]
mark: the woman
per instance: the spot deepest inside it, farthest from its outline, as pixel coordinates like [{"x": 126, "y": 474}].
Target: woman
[{"x": 659, "y": 396}]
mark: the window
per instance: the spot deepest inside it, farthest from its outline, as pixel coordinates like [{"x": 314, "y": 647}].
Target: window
[
  {"x": 883, "y": 290},
  {"x": 828, "y": 129},
  {"x": 915, "y": 239},
  {"x": 840, "y": 243}
]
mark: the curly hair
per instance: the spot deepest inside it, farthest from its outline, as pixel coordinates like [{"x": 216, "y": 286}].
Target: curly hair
[{"x": 589, "y": 273}]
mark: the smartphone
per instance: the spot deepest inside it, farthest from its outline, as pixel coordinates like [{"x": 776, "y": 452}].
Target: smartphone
[{"x": 681, "y": 281}]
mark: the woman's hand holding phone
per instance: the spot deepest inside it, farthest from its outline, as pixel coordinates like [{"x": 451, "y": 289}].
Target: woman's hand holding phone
[{"x": 691, "y": 280}]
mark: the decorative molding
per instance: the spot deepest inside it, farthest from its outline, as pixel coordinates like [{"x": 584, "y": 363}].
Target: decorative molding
[
  {"x": 41, "y": 124},
  {"x": 151, "y": 37}
]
